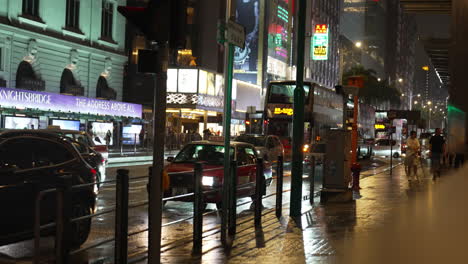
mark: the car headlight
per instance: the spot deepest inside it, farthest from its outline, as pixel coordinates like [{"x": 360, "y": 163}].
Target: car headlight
[
  {"x": 259, "y": 152},
  {"x": 207, "y": 181},
  {"x": 305, "y": 148}
]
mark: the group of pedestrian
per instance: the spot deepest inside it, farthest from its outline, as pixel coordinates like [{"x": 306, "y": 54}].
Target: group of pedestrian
[{"x": 437, "y": 154}]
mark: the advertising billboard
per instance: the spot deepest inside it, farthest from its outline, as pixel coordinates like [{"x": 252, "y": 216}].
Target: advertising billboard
[
  {"x": 17, "y": 98},
  {"x": 67, "y": 124},
  {"x": 100, "y": 130},
  {"x": 320, "y": 42},
  {"x": 19, "y": 122},
  {"x": 246, "y": 59}
]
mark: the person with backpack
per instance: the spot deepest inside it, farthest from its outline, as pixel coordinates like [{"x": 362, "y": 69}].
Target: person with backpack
[{"x": 437, "y": 150}]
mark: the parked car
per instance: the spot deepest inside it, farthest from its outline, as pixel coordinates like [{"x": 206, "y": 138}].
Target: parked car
[
  {"x": 85, "y": 138},
  {"x": 32, "y": 161},
  {"x": 93, "y": 158},
  {"x": 211, "y": 154},
  {"x": 382, "y": 148},
  {"x": 267, "y": 147}
]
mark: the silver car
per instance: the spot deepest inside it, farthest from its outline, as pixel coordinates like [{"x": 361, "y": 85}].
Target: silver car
[
  {"x": 267, "y": 147},
  {"x": 382, "y": 148}
]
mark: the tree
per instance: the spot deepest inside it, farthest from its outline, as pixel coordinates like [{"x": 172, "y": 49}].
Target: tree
[{"x": 374, "y": 92}]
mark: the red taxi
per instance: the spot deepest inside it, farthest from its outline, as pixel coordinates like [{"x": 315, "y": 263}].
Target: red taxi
[{"x": 211, "y": 154}]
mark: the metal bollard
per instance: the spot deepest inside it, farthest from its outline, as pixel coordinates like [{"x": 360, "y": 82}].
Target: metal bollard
[
  {"x": 258, "y": 192},
  {"x": 62, "y": 231},
  {"x": 198, "y": 210},
  {"x": 312, "y": 179},
  {"x": 279, "y": 186},
  {"x": 121, "y": 217},
  {"x": 233, "y": 201}
]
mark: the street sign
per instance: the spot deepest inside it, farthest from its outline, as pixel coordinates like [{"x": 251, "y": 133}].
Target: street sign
[
  {"x": 320, "y": 43},
  {"x": 236, "y": 34}
]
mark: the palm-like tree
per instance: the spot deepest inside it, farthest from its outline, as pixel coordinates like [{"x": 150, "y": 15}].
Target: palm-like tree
[{"x": 374, "y": 92}]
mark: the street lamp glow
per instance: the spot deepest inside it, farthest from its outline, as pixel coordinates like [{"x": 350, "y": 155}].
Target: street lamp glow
[
  {"x": 419, "y": 95},
  {"x": 429, "y": 103},
  {"x": 425, "y": 68},
  {"x": 400, "y": 80},
  {"x": 415, "y": 102},
  {"x": 436, "y": 106},
  {"x": 358, "y": 44},
  {"x": 402, "y": 94},
  {"x": 378, "y": 79}
]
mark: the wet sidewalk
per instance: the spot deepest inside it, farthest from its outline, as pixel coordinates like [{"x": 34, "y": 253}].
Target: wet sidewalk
[{"x": 320, "y": 235}]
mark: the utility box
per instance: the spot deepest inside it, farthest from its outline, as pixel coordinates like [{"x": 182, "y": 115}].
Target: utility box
[{"x": 336, "y": 168}]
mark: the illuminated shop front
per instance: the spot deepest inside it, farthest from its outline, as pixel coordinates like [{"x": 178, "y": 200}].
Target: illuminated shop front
[
  {"x": 25, "y": 109},
  {"x": 195, "y": 100}
]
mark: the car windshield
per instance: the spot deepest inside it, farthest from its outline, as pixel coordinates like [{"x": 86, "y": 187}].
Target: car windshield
[
  {"x": 254, "y": 140},
  {"x": 211, "y": 154}
]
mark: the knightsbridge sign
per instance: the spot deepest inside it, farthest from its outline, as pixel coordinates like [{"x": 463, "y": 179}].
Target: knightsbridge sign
[{"x": 65, "y": 103}]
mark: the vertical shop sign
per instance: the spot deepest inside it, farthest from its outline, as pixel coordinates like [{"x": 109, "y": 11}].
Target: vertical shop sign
[{"x": 320, "y": 42}]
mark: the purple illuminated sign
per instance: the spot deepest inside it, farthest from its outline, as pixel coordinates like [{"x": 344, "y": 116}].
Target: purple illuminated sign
[{"x": 65, "y": 103}]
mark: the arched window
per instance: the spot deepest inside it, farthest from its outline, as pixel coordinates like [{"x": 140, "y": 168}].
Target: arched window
[
  {"x": 27, "y": 79},
  {"x": 69, "y": 85},
  {"x": 103, "y": 90}
]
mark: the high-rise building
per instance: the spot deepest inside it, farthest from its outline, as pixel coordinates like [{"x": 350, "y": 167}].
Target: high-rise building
[{"x": 401, "y": 51}]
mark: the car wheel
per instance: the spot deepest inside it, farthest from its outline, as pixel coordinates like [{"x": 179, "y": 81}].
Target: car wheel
[
  {"x": 396, "y": 155},
  {"x": 80, "y": 230}
]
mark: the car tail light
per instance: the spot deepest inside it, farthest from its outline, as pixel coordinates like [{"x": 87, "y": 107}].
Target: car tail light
[{"x": 93, "y": 171}]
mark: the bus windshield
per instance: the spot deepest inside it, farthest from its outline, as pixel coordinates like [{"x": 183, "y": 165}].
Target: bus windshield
[{"x": 284, "y": 93}]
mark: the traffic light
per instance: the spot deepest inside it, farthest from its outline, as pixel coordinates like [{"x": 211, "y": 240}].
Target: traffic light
[{"x": 160, "y": 21}]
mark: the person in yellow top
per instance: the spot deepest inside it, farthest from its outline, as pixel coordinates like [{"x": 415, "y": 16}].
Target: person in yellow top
[{"x": 413, "y": 148}]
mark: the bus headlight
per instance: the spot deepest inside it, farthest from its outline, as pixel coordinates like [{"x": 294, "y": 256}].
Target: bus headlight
[{"x": 207, "y": 181}]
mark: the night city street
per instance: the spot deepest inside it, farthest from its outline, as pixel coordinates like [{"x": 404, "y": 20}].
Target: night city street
[{"x": 233, "y": 131}]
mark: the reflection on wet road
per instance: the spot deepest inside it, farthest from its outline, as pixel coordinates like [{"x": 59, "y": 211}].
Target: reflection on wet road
[{"x": 176, "y": 239}]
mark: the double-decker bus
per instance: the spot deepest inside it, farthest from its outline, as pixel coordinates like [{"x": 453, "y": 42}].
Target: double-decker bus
[{"x": 323, "y": 110}]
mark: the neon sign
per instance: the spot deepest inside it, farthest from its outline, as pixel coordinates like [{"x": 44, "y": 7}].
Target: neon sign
[
  {"x": 379, "y": 126},
  {"x": 320, "y": 42},
  {"x": 283, "y": 111}
]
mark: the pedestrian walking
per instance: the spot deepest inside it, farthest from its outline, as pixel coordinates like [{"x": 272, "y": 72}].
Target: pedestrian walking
[
  {"x": 412, "y": 155},
  {"x": 108, "y": 138},
  {"x": 437, "y": 150}
]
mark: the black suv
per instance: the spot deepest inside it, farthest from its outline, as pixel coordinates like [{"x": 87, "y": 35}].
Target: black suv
[{"x": 32, "y": 161}]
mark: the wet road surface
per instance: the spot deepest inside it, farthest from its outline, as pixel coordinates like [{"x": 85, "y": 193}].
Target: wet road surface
[{"x": 176, "y": 238}]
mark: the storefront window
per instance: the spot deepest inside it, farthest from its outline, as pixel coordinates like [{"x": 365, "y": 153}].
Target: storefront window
[
  {"x": 188, "y": 80},
  {"x": 211, "y": 84},
  {"x": 219, "y": 85},
  {"x": 172, "y": 80},
  {"x": 202, "y": 82}
]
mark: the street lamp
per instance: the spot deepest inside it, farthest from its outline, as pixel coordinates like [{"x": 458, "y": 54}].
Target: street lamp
[
  {"x": 403, "y": 94},
  {"x": 358, "y": 44},
  {"x": 429, "y": 103},
  {"x": 400, "y": 80},
  {"x": 419, "y": 95},
  {"x": 415, "y": 102},
  {"x": 378, "y": 79}
]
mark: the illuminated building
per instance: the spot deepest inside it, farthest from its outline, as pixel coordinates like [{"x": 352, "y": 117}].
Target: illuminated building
[{"x": 71, "y": 47}]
